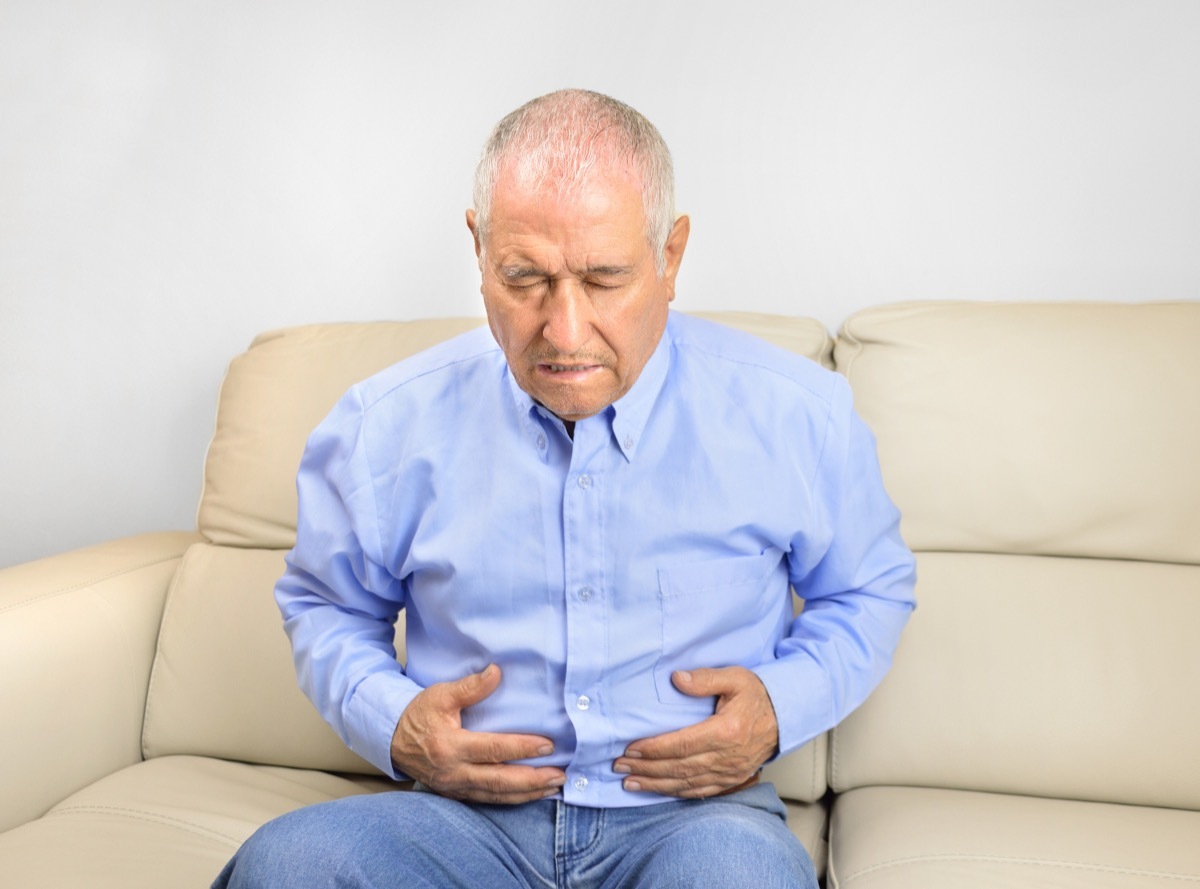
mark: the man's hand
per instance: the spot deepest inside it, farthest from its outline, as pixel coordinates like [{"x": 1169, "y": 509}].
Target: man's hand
[
  {"x": 712, "y": 757},
  {"x": 431, "y": 746}
]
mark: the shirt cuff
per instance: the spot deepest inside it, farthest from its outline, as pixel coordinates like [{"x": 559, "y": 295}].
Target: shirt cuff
[
  {"x": 372, "y": 715},
  {"x": 802, "y": 696}
]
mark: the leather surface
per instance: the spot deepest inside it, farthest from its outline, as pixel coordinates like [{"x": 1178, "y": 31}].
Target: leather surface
[
  {"x": 77, "y": 635},
  {"x": 897, "y": 838},
  {"x": 272, "y": 397},
  {"x": 804, "y": 336},
  {"x": 223, "y": 683},
  {"x": 174, "y": 822},
  {"x": 1045, "y": 428},
  {"x": 169, "y": 822},
  {"x": 1040, "y": 676}
]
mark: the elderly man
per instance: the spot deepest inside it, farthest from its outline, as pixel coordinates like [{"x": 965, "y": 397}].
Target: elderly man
[{"x": 592, "y": 513}]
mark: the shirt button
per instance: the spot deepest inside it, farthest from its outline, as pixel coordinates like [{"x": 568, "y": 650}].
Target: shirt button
[
  {"x": 581, "y": 783},
  {"x": 541, "y": 442},
  {"x": 628, "y": 442},
  {"x": 585, "y": 593},
  {"x": 585, "y": 481},
  {"x": 583, "y": 702}
]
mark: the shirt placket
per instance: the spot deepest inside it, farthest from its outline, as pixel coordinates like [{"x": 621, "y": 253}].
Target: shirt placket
[{"x": 586, "y": 603}]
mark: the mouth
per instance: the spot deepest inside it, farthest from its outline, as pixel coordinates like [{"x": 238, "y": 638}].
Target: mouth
[{"x": 566, "y": 373}]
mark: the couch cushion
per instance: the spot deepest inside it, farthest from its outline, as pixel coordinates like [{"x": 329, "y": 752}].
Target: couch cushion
[
  {"x": 272, "y": 397},
  {"x": 77, "y": 635},
  {"x": 804, "y": 336},
  {"x": 176, "y": 820},
  {"x": 223, "y": 683},
  {"x": 1061, "y": 429},
  {"x": 895, "y": 838},
  {"x": 172, "y": 822},
  {"x": 1041, "y": 676},
  {"x": 276, "y": 392}
]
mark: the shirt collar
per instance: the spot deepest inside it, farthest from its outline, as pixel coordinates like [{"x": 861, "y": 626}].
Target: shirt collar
[{"x": 632, "y": 410}]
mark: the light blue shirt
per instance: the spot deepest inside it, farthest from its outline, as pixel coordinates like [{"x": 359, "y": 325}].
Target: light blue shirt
[{"x": 663, "y": 537}]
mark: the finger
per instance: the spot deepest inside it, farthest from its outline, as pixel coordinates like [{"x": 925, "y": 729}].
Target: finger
[
  {"x": 508, "y": 784},
  {"x": 701, "y": 775},
  {"x": 698, "y": 788},
  {"x": 465, "y": 692},
  {"x": 708, "y": 682},
  {"x": 498, "y": 747},
  {"x": 682, "y": 744}
]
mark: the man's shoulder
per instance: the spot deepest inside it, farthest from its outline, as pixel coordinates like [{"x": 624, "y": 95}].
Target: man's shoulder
[
  {"x": 427, "y": 372},
  {"x": 736, "y": 352}
]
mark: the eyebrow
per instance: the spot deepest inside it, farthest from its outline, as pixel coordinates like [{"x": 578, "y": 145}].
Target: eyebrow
[
  {"x": 610, "y": 271},
  {"x": 521, "y": 272}
]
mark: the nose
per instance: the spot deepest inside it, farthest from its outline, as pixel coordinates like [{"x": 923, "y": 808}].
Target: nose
[{"x": 568, "y": 317}]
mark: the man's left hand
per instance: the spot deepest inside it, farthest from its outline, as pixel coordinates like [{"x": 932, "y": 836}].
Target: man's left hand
[{"x": 711, "y": 757}]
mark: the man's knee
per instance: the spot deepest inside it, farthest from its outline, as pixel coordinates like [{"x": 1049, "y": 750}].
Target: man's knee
[{"x": 723, "y": 853}]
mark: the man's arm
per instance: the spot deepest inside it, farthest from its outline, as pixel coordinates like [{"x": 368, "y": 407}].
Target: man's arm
[
  {"x": 857, "y": 589},
  {"x": 340, "y": 601}
]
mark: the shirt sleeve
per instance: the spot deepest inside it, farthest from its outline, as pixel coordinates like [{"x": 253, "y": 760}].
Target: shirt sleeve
[
  {"x": 339, "y": 602},
  {"x": 856, "y": 577}
]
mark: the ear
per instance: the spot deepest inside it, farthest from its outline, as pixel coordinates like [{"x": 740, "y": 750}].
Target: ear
[
  {"x": 673, "y": 252},
  {"x": 475, "y": 235}
]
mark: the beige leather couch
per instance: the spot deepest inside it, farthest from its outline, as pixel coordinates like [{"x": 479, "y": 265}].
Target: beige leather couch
[{"x": 1041, "y": 726}]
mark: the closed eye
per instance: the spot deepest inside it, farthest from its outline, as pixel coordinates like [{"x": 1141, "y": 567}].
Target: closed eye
[
  {"x": 608, "y": 277},
  {"x": 522, "y": 277}
]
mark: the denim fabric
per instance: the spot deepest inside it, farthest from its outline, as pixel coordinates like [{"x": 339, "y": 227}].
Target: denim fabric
[{"x": 418, "y": 840}]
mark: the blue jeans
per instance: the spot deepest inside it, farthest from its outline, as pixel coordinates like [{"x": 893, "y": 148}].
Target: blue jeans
[{"x": 414, "y": 839}]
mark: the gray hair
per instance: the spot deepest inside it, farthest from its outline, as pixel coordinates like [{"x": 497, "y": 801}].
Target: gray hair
[{"x": 557, "y": 140}]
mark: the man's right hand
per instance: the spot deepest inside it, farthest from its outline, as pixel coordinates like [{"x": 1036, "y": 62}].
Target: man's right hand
[{"x": 431, "y": 746}]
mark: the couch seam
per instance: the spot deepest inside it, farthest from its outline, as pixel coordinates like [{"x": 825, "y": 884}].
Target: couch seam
[
  {"x": 1004, "y": 859},
  {"x": 833, "y": 762},
  {"x": 154, "y": 663},
  {"x": 144, "y": 815},
  {"x": 84, "y": 584},
  {"x": 812, "y": 789}
]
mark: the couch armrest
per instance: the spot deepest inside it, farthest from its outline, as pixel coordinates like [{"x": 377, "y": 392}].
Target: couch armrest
[{"x": 77, "y": 638}]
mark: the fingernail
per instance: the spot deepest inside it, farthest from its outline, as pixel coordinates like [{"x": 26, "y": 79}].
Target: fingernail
[
  {"x": 684, "y": 675},
  {"x": 632, "y": 785},
  {"x": 633, "y": 754},
  {"x": 622, "y": 769},
  {"x": 557, "y": 781},
  {"x": 545, "y": 750}
]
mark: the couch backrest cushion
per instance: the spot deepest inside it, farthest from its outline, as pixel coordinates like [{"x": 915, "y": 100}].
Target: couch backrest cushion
[
  {"x": 272, "y": 397},
  {"x": 223, "y": 683},
  {"x": 1043, "y": 458},
  {"x": 1040, "y": 676},
  {"x": 1066, "y": 429}
]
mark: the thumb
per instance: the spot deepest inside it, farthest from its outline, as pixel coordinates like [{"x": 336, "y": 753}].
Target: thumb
[
  {"x": 701, "y": 683},
  {"x": 474, "y": 688}
]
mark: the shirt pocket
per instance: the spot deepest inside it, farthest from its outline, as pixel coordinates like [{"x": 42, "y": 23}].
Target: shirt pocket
[{"x": 718, "y": 613}]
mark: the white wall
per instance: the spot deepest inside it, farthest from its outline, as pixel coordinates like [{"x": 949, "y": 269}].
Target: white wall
[{"x": 177, "y": 175}]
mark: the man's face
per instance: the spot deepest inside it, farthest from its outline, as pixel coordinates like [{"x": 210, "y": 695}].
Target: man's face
[{"x": 571, "y": 290}]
